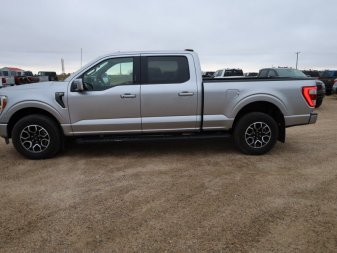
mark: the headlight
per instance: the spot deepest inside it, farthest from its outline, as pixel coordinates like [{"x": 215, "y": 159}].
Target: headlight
[{"x": 3, "y": 103}]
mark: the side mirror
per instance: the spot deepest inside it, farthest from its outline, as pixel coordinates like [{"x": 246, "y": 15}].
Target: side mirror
[{"x": 77, "y": 85}]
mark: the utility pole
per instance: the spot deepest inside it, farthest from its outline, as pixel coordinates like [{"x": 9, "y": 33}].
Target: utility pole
[
  {"x": 297, "y": 53},
  {"x": 81, "y": 56},
  {"x": 62, "y": 64}
]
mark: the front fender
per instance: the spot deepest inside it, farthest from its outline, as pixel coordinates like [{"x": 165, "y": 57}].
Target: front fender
[{"x": 58, "y": 115}]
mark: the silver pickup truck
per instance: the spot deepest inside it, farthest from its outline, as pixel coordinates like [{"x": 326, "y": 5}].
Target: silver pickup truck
[{"x": 153, "y": 95}]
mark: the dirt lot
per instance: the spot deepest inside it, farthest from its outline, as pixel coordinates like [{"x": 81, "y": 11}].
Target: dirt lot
[{"x": 175, "y": 196}]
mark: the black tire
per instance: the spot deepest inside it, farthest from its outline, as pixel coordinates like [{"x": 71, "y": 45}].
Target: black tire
[
  {"x": 255, "y": 133},
  {"x": 37, "y": 137},
  {"x": 319, "y": 102}
]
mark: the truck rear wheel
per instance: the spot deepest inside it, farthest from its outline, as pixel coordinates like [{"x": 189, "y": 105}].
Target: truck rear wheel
[
  {"x": 37, "y": 137},
  {"x": 255, "y": 133}
]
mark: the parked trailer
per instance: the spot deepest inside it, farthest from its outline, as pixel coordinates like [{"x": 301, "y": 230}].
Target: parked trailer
[{"x": 5, "y": 78}]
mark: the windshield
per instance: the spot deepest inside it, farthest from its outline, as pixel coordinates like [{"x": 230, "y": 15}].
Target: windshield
[
  {"x": 218, "y": 73},
  {"x": 290, "y": 73},
  {"x": 233, "y": 72}
]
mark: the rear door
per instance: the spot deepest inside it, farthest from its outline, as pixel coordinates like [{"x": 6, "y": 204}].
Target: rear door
[{"x": 169, "y": 93}]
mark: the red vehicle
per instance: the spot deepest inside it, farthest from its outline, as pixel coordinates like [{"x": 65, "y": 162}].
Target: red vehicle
[{"x": 23, "y": 77}]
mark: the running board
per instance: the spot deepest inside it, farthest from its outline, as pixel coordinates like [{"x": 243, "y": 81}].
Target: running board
[{"x": 145, "y": 137}]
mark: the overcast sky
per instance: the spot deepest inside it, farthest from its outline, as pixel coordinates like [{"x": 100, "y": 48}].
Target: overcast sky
[{"x": 36, "y": 34}]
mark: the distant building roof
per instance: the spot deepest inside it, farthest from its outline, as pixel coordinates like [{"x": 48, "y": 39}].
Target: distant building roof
[{"x": 12, "y": 69}]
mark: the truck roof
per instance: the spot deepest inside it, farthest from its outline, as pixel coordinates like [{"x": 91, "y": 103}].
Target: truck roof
[
  {"x": 11, "y": 69},
  {"x": 187, "y": 51}
]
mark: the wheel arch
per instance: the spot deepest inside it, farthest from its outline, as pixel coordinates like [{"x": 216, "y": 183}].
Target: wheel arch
[
  {"x": 16, "y": 116},
  {"x": 265, "y": 107}
]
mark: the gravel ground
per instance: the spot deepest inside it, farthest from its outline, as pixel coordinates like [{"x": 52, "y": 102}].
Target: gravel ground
[{"x": 197, "y": 196}]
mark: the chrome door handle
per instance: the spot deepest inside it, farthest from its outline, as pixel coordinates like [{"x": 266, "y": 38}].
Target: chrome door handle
[
  {"x": 128, "y": 95},
  {"x": 185, "y": 93}
]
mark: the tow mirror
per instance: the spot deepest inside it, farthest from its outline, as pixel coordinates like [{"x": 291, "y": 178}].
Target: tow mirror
[{"x": 78, "y": 85}]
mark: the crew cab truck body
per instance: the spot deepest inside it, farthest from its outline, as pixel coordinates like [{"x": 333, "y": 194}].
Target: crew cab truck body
[{"x": 150, "y": 95}]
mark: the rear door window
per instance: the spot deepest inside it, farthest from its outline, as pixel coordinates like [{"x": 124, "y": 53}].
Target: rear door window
[
  {"x": 263, "y": 72},
  {"x": 272, "y": 73},
  {"x": 165, "y": 69}
]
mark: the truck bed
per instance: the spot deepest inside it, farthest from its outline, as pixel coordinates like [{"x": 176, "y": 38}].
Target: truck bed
[
  {"x": 224, "y": 98},
  {"x": 252, "y": 79}
]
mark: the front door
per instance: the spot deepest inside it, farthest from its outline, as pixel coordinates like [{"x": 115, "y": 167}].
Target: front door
[{"x": 111, "y": 100}]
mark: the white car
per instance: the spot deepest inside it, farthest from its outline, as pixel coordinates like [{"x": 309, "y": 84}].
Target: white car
[{"x": 228, "y": 73}]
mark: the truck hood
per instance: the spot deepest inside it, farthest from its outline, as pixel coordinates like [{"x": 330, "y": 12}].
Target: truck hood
[
  {"x": 31, "y": 86},
  {"x": 34, "y": 89}
]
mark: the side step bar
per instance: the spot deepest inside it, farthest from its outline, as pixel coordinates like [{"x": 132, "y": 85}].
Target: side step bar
[{"x": 152, "y": 137}]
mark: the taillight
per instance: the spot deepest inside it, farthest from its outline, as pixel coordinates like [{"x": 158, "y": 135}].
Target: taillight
[
  {"x": 3, "y": 103},
  {"x": 310, "y": 94},
  {"x": 334, "y": 82},
  {"x": 4, "y": 80}
]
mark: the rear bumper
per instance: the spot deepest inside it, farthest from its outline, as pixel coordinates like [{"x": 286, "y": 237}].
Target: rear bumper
[
  {"x": 298, "y": 120},
  {"x": 3, "y": 130},
  {"x": 313, "y": 118}
]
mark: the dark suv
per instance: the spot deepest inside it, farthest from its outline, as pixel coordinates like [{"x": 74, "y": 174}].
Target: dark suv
[
  {"x": 312, "y": 73},
  {"x": 328, "y": 77},
  {"x": 289, "y": 72}
]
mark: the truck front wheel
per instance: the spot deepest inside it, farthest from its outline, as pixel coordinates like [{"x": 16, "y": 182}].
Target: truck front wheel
[
  {"x": 255, "y": 133},
  {"x": 37, "y": 137}
]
